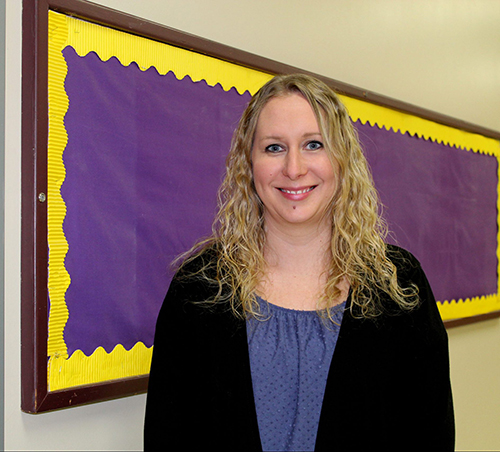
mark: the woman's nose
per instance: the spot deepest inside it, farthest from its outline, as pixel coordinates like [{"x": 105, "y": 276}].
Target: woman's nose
[{"x": 295, "y": 164}]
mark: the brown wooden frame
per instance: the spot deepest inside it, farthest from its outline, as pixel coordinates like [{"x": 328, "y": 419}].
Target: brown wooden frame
[{"x": 35, "y": 397}]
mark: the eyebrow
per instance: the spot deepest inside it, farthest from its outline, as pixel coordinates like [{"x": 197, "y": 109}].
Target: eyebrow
[{"x": 306, "y": 135}]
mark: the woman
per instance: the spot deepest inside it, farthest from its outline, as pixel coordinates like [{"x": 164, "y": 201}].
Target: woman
[{"x": 294, "y": 326}]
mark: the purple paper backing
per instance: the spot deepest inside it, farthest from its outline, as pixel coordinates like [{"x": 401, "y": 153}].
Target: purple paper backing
[
  {"x": 145, "y": 157},
  {"x": 440, "y": 204},
  {"x": 144, "y": 160}
]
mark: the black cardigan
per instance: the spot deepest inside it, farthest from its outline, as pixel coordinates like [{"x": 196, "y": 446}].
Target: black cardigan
[{"x": 388, "y": 386}]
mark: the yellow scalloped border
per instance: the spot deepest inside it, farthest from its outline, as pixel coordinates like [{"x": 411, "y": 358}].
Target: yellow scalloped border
[
  {"x": 81, "y": 370},
  {"x": 388, "y": 118},
  {"x": 470, "y": 307},
  {"x": 59, "y": 279},
  {"x": 85, "y": 37}
]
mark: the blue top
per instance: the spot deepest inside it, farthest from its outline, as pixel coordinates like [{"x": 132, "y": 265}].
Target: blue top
[{"x": 290, "y": 356}]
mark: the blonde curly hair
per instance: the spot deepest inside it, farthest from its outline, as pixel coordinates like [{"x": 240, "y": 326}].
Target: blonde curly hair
[{"x": 358, "y": 246}]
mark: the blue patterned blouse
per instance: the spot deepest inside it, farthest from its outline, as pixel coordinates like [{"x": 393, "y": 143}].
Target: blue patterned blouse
[{"x": 290, "y": 356}]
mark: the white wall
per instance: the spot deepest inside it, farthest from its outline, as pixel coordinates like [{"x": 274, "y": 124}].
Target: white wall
[{"x": 439, "y": 54}]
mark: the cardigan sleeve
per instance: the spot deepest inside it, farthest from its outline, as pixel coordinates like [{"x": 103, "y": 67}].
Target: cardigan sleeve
[
  {"x": 199, "y": 392},
  {"x": 433, "y": 393},
  {"x": 420, "y": 366},
  {"x": 171, "y": 374},
  {"x": 394, "y": 374}
]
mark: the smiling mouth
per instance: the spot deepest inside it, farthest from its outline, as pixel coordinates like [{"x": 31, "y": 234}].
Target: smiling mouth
[{"x": 297, "y": 192}]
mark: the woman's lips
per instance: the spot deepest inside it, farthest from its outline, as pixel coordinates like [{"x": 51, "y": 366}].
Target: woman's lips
[{"x": 298, "y": 193}]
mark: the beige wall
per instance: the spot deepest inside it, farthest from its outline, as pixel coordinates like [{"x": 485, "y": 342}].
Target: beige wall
[{"x": 440, "y": 54}]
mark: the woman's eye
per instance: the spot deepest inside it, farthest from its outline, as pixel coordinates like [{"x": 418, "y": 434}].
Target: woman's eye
[
  {"x": 314, "y": 145},
  {"x": 274, "y": 148}
]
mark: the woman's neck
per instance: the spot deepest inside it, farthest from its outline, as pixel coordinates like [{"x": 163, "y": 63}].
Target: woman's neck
[
  {"x": 299, "y": 247},
  {"x": 297, "y": 261}
]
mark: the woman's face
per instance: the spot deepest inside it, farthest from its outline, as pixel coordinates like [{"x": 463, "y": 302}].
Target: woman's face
[{"x": 292, "y": 171}]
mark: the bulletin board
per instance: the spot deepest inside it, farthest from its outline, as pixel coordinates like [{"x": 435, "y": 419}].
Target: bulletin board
[{"x": 129, "y": 154}]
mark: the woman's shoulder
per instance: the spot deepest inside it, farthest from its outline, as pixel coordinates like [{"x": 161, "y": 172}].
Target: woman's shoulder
[
  {"x": 198, "y": 262},
  {"x": 401, "y": 256},
  {"x": 410, "y": 272},
  {"x": 406, "y": 263},
  {"x": 193, "y": 288},
  {"x": 197, "y": 283}
]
